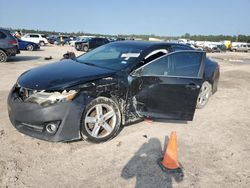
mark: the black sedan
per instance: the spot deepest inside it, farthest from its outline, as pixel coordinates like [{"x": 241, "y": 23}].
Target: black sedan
[
  {"x": 94, "y": 95},
  {"x": 90, "y": 43}
]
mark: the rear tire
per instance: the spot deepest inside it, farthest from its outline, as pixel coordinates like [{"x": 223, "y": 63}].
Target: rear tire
[
  {"x": 101, "y": 120},
  {"x": 42, "y": 43},
  {"x": 3, "y": 56},
  {"x": 204, "y": 95}
]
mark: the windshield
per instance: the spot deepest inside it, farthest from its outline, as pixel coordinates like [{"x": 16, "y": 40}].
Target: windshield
[{"x": 115, "y": 56}]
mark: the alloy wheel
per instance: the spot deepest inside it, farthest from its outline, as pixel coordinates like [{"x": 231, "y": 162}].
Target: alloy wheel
[
  {"x": 100, "y": 120},
  {"x": 204, "y": 94},
  {"x": 30, "y": 47},
  {"x": 3, "y": 56}
]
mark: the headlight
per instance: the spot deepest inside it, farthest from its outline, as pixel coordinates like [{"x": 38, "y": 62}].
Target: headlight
[{"x": 48, "y": 98}]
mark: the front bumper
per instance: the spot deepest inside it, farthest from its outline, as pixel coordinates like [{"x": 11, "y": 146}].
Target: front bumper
[{"x": 31, "y": 119}]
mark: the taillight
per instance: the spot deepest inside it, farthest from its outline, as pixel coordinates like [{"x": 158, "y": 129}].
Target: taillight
[{"x": 14, "y": 42}]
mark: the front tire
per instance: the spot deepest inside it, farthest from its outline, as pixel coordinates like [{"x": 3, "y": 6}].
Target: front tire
[
  {"x": 78, "y": 47},
  {"x": 85, "y": 48},
  {"x": 204, "y": 95},
  {"x": 3, "y": 56},
  {"x": 101, "y": 120},
  {"x": 30, "y": 47}
]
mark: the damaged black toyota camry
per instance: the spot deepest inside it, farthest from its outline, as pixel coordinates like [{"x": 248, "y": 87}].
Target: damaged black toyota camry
[{"x": 92, "y": 96}]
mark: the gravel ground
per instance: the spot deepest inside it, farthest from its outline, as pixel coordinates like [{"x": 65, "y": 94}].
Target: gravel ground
[{"x": 213, "y": 149}]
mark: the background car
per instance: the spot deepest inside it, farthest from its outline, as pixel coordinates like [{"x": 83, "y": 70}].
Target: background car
[
  {"x": 79, "y": 39},
  {"x": 51, "y": 39},
  {"x": 26, "y": 45},
  {"x": 219, "y": 48},
  {"x": 62, "y": 40},
  {"x": 215, "y": 48},
  {"x": 97, "y": 93},
  {"x": 90, "y": 43},
  {"x": 36, "y": 38},
  {"x": 8, "y": 45},
  {"x": 57, "y": 40},
  {"x": 240, "y": 48}
]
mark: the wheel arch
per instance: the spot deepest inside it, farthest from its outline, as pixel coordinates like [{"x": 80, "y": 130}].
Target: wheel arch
[
  {"x": 120, "y": 102},
  {"x": 4, "y": 51}
]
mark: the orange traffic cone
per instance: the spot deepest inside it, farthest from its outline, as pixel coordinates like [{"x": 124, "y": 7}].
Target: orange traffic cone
[{"x": 170, "y": 160}]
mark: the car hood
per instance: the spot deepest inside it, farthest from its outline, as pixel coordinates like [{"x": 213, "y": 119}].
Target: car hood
[{"x": 61, "y": 75}]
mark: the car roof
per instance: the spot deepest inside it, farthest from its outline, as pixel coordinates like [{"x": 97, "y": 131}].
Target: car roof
[
  {"x": 149, "y": 44},
  {"x": 4, "y": 30}
]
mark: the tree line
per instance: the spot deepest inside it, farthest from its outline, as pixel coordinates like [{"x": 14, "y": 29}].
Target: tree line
[{"x": 215, "y": 38}]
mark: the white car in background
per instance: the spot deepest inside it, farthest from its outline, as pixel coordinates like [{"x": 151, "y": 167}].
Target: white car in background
[
  {"x": 36, "y": 38},
  {"x": 80, "y": 38}
]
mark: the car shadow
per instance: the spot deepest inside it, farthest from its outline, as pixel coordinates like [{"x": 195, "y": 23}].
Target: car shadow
[
  {"x": 39, "y": 50},
  {"x": 170, "y": 121},
  {"x": 144, "y": 167},
  {"x": 23, "y": 58}
]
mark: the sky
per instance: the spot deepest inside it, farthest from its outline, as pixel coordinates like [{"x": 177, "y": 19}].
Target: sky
[{"x": 158, "y": 17}]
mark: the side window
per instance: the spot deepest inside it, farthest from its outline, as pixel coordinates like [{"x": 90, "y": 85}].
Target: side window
[
  {"x": 102, "y": 41},
  {"x": 34, "y": 36},
  {"x": 2, "y": 35},
  {"x": 158, "y": 67},
  {"x": 98, "y": 40},
  {"x": 183, "y": 64}
]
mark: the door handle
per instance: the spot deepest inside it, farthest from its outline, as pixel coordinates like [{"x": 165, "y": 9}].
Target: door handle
[{"x": 192, "y": 86}]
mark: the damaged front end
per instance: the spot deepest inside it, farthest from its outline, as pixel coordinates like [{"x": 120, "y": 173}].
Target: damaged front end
[
  {"x": 44, "y": 98},
  {"x": 47, "y": 115}
]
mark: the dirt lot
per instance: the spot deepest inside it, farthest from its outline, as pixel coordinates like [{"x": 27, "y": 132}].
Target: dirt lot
[{"x": 214, "y": 149}]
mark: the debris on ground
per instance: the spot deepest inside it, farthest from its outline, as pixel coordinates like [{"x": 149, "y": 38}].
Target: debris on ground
[
  {"x": 69, "y": 55},
  {"x": 145, "y": 136},
  {"x": 119, "y": 144},
  {"x": 48, "y": 58},
  {"x": 2, "y": 132}
]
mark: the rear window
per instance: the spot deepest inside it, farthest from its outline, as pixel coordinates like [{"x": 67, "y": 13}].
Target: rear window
[{"x": 2, "y": 35}]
